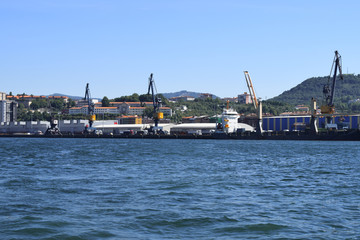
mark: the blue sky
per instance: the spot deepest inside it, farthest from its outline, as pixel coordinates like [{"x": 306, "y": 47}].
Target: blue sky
[{"x": 57, "y": 46}]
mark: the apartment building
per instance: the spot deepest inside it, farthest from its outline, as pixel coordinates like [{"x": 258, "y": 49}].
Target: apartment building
[{"x": 8, "y": 109}]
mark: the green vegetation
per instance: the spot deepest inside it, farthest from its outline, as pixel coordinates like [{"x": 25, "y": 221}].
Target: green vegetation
[
  {"x": 198, "y": 107},
  {"x": 346, "y": 94},
  {"x": 211, "y": 107},
  {"x": 52, "y": 105},
  {"x": 132, "y": 98},
  {"x": 139, "y": 98},
  {"x": 345, "y": 91},
  {"x": 105, "y": 102},
  {"x": 148, "y": 112},
  {"x": 43, "y": 109},
  {"x": 33, "y": 116},
  {"x": 39, "y": 103}
]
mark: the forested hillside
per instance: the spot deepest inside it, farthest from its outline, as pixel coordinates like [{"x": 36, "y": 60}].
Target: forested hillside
[
  {"x": 184, "y": 93},
  {"x": 346, "y": 90}
]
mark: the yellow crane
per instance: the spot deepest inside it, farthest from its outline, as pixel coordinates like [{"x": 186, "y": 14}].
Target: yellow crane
[
  {"x": 257, "y": 104},
  {"x": 157, "y": 115},
  {"x": 91, "y": 111},
  {"x": 251, "y": 89},
  {"x": 329, "y": 88}
]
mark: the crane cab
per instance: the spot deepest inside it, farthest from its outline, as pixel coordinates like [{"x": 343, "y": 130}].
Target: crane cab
[{"x": 159, "y": 115}]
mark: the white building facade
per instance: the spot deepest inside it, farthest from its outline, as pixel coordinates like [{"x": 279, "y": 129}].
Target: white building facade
[{"x": 8, "y": 109}]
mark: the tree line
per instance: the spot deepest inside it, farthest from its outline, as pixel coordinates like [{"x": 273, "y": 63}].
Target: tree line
[{"x": 347, "y": 100}]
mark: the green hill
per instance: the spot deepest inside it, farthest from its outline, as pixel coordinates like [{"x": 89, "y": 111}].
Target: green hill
[{"x": 346, "y": 90}]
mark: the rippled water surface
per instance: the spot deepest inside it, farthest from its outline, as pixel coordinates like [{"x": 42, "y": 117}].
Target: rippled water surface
[{"x": 178, "y": 189}]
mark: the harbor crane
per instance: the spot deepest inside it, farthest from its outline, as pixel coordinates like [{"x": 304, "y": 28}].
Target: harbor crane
[
  {"x": 157, "y": 115},
  {"x": 91, "y": 107},
  {"x": 257, "y": 104},
  {"x": 251, "y": 89},
  {"x": 329, "y": 88}
]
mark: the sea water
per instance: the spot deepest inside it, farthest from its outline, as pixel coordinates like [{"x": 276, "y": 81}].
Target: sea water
[{"x": 178, "y": 189}]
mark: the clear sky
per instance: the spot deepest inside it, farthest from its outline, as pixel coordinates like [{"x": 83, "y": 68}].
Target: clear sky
[{"x": 57, "y": 46}]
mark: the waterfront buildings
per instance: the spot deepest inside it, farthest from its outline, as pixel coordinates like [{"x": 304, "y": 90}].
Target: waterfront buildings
[
  {"x": 121, "y": 108},
  {"x": 8, "y": 109},
  {"x": 182, "y": 98},
  {"x": 244, "y": 98},
  {"x": 83, "y": 102}
]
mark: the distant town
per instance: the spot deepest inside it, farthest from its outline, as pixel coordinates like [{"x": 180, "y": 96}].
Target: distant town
[
  {"x": 125, "y": 111},
  {"x": 183, "y": 113}
]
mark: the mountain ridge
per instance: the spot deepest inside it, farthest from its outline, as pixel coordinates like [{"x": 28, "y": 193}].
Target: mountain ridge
[
  {"x": 345, "y": 90},
  {"x": 184, "y": 93}
]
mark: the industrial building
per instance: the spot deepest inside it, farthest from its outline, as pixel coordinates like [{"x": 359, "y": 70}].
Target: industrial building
[
  {"x": 40, "y": 127},
  {"x": 294, "y": 123},
  {"x": 107, "y": 127},
  {"x": 244, "y": 98},
  {"x": 130, "y": 120},
  {"x": 29, "y": 127},
  {"x": 182, "y": 98}
]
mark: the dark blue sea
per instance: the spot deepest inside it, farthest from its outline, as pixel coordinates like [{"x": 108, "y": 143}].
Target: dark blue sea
[{"x": 178, "y": 189}]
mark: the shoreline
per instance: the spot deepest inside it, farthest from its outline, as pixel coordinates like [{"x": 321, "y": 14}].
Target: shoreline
[{"x": 351, "y": 135}]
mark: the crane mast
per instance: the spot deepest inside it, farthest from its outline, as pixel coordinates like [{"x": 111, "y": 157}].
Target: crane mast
[
  {"x": 157, "y": 115},
  {"x": 251, "y": 89},
  {"x": 91, "y": 106},
  {"x": 329, "y": 91}
]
